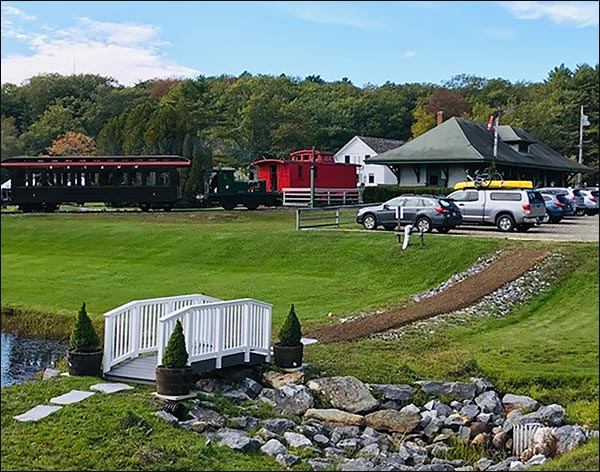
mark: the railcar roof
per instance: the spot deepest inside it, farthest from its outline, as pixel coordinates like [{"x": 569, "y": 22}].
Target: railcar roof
[{"x": 95, "y": 161}]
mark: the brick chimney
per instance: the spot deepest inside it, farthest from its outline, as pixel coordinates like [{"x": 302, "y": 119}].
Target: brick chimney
[{"x": 440, "y": 117}]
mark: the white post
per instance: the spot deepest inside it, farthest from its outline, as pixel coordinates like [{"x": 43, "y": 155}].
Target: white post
[
  {"x": 219, "y": 337},
  {"x": 337, "y": 217},
  {"x": 134, "y": 327},
  {"x": 267, "y": 338},
  {"x": 580, "y": 144},
  {"x": 246, "y": 328},
  {"x": 162, "y": 326},
  {"x": 108, "y": 343}
]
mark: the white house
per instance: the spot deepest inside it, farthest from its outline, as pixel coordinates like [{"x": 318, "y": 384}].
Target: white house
[{"x": 360, "y": 148}]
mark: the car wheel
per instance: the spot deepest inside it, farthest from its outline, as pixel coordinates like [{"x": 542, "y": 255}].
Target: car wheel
[
  {"x": 389, "y": 227},
  {"x": 423, "y": 224},
  {"x": 579, "y": 212},
  {"x": 505, "y": 223},
  {"x": 443, "y": 230},
  {"x": 523, "y": 227},
  {"x": 555, "y": 220},
  {"x": 546, "y": 217},
  {"x": 370, "y": 222}
]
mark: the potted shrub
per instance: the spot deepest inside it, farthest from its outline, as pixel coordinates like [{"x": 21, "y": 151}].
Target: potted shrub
[
  {"x": 85, "y": 355},
  {"x": 173, "y": 376},
  {"x": 288, "y": 351}
]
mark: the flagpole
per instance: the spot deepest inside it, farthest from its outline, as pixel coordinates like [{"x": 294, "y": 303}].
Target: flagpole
[{"x": 580, "y": 144}]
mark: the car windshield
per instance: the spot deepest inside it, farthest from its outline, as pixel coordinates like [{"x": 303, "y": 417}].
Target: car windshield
[
  {"x": 577, "y": 192},
  {"x": 594, "y": 193},
  {"x": 535, "y": 197},
  {"x": 446, "y": 203},
  {"x": 561, "y": 197}
]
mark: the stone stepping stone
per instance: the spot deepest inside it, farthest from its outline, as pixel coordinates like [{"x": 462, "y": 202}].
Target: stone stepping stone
[
  {"x": 74, "y": 396},
  {"x": 37, "y": 413},
  {"x": 110, "y": 387}
]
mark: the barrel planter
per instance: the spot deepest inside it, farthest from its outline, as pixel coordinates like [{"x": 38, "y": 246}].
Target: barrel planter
[
  {"x": 85, "y": 363},
  {"x": 173, "y": 382},
  {"x": 288, "y": 357}
]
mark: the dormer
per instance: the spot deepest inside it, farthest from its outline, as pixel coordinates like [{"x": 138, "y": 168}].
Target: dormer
[{"x": 516, "y": 138}]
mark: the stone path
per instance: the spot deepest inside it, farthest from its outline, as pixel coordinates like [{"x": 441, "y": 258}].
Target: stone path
[{"x": 74, "y": 396}]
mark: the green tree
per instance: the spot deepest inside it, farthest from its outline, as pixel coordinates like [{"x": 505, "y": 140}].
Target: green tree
[
  {"x": 84, "y": 337},
  {"x": 55, "y": 121},
  {"x": 176, "y": 355},
  {"x": 291, "y": 332},
  {"x": 424, "y": 121}
]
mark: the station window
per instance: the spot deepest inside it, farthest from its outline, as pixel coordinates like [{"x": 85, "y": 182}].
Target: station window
[
  {"x": 347, "y": 159},
  {"x": 371, "y": 178}
]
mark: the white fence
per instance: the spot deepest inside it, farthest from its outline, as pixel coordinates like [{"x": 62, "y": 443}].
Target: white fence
[
  {"x": 215, "y": 330},
  {"x": 327, "y": 216},
  {"x": 323, "y": 196},
  {"x": 132, "y": 329}
]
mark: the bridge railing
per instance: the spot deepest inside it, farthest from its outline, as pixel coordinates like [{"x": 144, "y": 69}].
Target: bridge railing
[
  {"x": 218, "y": 329},
  {"x": 132, "y": 328}
]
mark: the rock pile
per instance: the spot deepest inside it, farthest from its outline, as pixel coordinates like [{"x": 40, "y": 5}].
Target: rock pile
[{"x": 343, "y": 423}]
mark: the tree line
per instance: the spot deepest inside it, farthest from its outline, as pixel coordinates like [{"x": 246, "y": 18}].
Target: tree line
[{"x": 230, "y": 121}]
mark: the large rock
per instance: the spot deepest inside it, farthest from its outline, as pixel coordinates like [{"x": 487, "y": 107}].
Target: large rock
[
  {"x": 454, "y": 390},
  {"x": 278, "y": 425},
  {"x": 251, "y": 387},
  {"x": 400, "y": 393},
  {"x": 290, "y": 399},
  {"x": 278, "y": 379},
  {"x": 358, "y": 465},
  {"x": 568, "y": 437},
  {"x": 237, "y": 441},
  {"x": 470, "y": 411},
  {"x": 331, "y": 415},
  {"x": 519, "y": 402},
  {"x": 287, "y": 460},
  {"x": 210, "y": 417},
  {"x": 393, "y": 421},
  {"x": 553, "y": 415},
  {"x": 489, "y": 402},
  {"x": 481, "y": 384},
  {"x": 296, "y": 440},
  {"x": 273, "y": 447},
  {"x": 340, "y": 433},
  {"x": 346, "y": 393}
]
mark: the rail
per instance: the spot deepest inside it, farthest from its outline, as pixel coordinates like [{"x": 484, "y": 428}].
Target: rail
[
  {"x": 132, "y": 328},
  {"x": 327, "y": 216},
  {"x": 218, "y": 329},
  {"x": 323, "y": 196}
]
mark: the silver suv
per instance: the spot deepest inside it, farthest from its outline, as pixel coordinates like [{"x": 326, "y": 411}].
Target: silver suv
[{"x": 507, "y": 209}]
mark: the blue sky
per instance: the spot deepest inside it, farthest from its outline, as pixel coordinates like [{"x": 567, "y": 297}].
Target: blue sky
[{"x": 367, "y": 42}]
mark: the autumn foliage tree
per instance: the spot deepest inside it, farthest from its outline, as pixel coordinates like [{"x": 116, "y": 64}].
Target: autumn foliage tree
[{"x": 72, "y": 144}]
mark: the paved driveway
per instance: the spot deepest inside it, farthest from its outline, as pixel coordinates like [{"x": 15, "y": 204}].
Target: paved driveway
[{"x": 573, "y": 228}]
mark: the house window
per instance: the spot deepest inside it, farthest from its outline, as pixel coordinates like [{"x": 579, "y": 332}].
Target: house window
[
  {"x": 367, "y": 156},
  {"x": 371, "y": 178},
  {"x": 347, "y": 159}
]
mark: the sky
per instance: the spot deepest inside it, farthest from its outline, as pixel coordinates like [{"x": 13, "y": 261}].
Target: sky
[{"x": 365, "y": 42}]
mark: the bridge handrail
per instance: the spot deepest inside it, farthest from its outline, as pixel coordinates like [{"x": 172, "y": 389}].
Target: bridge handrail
[
  {"x": 213, "y": 330},
  {"x": 132, "y": 328}
]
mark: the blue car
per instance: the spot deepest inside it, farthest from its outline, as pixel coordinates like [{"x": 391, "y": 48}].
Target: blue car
[
  {"x": 568, "y": 204},
  {"x": 555, "y": 209}
]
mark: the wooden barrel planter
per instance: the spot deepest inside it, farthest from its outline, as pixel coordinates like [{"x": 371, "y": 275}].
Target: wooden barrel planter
[{"x": 173, "y": 382}]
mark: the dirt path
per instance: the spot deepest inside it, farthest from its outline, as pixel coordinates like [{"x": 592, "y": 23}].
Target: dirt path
[{"x": 506, "y": 268}]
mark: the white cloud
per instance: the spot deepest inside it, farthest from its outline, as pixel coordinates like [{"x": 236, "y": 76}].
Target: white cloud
[
  {"x": 409, "y": 54},
  {"x": 9, "y": 10},
  {"x": 579, "y": 14},
  {"x": 127, "y": 52},
  {"x": 331, "y": 13}
]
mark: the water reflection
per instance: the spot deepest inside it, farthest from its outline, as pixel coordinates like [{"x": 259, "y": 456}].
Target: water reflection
[{"x": 24, "y": 357}]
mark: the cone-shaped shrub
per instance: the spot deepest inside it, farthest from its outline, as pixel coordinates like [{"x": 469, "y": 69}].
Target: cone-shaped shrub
[
  {"x": 291, "y": 332},
  {"x": 176, "y": 355},
  {"x": 84, "y": 337}
]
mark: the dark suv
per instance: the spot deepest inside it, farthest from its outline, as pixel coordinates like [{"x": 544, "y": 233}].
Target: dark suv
[{"x": 425, "y": 212}]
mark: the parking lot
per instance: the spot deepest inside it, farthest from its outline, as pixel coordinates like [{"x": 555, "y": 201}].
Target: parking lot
[{"x": 574, "y": 228}]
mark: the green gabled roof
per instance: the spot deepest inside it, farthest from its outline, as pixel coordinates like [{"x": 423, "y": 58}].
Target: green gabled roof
[{"x": 463, "y": 141}]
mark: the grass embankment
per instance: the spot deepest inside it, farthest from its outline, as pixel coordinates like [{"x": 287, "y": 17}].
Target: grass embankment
[{"x": 52, "y": 263}]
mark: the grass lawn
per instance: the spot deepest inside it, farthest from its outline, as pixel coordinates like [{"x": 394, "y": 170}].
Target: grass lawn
[{"x": 53, "y": 263}]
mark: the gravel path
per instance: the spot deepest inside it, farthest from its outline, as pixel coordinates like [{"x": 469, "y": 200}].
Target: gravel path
[{"x": 506, "y": 268}]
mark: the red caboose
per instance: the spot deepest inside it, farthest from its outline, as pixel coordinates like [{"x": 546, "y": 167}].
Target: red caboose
[{"x": 294, "y": 173}]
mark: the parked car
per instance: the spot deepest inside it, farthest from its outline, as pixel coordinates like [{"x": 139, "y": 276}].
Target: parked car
[
  {"x": 425, "y": 212},
  {"x": 590, "y": 200},
  {"x": 555, "y": 209},
  {"x": 574, "y": 194},
  {"x": 568, "y": 204},
  {"x": 518, "y": 209}
]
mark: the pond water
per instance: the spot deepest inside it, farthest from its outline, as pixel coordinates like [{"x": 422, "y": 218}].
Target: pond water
[{"x": 23, "y": 357}]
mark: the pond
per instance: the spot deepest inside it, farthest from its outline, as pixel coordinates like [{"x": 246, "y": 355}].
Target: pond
[{"x": 23, "y": 357}]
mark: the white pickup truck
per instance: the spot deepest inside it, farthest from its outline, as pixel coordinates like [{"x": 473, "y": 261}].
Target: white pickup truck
[{"x": 506, "y": 209}]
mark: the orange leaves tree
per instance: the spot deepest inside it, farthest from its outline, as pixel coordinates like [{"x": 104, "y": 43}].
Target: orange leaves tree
[{"x": 72, "y": 144}]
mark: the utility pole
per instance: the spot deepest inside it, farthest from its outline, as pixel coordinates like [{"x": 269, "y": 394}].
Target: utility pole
[
  {"x": 583, "y": 121},
  {"x": 312, "y": 179}
]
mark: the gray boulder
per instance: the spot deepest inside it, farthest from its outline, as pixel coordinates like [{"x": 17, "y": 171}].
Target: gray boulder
[
  {"x": 519, "y": 402},
  {"x": 243, "y": 422},
  {"x": 470, "y": 411},
  {"x": 290, "y": 399},
  {"x": 568, "y": 437},
  {"x": 484, "y": 464},
  {"x": 344, "y": 432},
  {"x": 345, "y": 393},
  {"x": 482, "y": 385},
  {"x": 320, "y": 464},
  {"x": 50, "y": 373},
  {"x": 503, "y": 465},
  {"x": 296, "y": 440},
  {"x": 538, "y": 459},
  {"x": 350, "y": 445},
  {"x": 489, "y": 402},
  {"x": 553, "y": 415},
  {"x": 400, "y": 393},
  {"x": 455, "y": 390},
  {"x": 321, "y": 440},
  {"x": 167, "y": 417},
  {"x": 238, "y": 441},
  {"x": 251, "y": 387},
  {"x": 273, "y": 447},
  {"x": 278, "y": 425},
  {"x": 393, "y": 421},
  {"x": 210, "y": 417},
  {"x": 287, "y": 460}
]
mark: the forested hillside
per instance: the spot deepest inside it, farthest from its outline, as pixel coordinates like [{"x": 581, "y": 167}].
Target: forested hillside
[{"x": 232, "y": 120}]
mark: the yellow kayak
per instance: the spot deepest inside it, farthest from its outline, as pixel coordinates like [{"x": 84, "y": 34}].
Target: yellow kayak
[{"x": 496, "y": 184}]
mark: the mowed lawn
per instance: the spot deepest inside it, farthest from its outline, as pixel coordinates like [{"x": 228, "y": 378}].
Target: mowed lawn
[{"x": 53, "y": 263}]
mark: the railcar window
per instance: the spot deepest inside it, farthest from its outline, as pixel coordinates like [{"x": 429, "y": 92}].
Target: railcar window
[
  {"x": 164, "y": 178},
  {"x": 151, "y": 178}
]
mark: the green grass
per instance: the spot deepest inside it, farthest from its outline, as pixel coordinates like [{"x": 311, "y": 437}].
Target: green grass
[
  {"x": 547, "y": 349},
  {"x": 53, "y": 263},
  {"x": 91, "y": 435}
]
